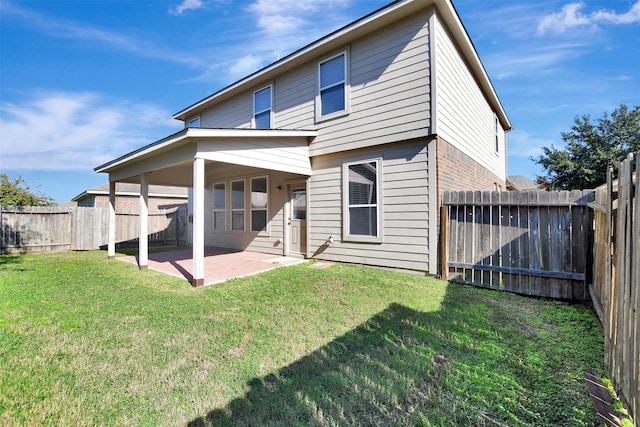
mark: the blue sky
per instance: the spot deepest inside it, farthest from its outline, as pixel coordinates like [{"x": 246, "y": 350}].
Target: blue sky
[{"x": 82, "y": 82}]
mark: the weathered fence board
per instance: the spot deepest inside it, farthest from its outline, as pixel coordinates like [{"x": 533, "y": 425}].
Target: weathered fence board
[
  {"x": 39, "y": 229},
  {"x": 525, "y": 242},
  {"x": 616, "y": 278},
  {"x": 35, "y": 229}
]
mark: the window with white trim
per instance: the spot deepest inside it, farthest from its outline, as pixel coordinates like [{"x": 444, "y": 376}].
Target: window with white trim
[
  {"x": 259, "y": 204},
  {"x": 219, "y": 206},
  {"x": 262, "y": 101},
  {"x": 194, "y": 123},
  {"x": 237, "y": 205},
  {"x": 362, "y": 194},
  {"x": 333, "y": 86}
]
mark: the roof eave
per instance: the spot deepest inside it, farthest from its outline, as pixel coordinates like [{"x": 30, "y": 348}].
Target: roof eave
[{"x": 188, "y": 133}]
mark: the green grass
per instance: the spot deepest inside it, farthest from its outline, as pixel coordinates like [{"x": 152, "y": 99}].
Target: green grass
[{"x": 86, "y": 341}]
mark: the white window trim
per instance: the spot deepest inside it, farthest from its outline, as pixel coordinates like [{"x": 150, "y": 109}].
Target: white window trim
[
  {"x": 226, "y": 217},
  {"x": 255, "y": 113},
  {"x": 347, "y": 89},
  {"x": 497, "y": 125},
  {"x": 345, "y": 203},
  {"x": 244, "y": 207},
  {"x": 193, "y": 119},
  {"x": 266, "y": 232}
]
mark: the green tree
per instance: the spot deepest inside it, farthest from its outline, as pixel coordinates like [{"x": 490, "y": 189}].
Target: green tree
[
  {"x": 17, "y": 193},
  {"x": 590, "y": 148}
]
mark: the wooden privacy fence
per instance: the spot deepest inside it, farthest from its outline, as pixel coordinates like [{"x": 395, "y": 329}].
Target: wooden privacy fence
[
  {"x": 534, "y": 242},
  {"x": 616, "y": 280},
  {"x": 42, "y": 229}
]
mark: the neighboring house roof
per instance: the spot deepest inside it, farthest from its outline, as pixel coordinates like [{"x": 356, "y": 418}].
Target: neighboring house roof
[
  {"x": 126, "y": 189},
  {"x": 365, "y": 25},
  {"x": 522, "y": 183}
]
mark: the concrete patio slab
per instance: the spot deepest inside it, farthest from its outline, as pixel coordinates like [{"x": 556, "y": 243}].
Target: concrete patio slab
[{"x": 220, "y": 264}]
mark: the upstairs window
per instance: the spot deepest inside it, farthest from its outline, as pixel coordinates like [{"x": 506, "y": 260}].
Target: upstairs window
[
  {"x": 262, "y": 108},
  {"x": 195, "y": 122},
  {"x": 219, "y": 206},
  {"x": 361, "y": 201},
  {"x": 332, "y": 78}
]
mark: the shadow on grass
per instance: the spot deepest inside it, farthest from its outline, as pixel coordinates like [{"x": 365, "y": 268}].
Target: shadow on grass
[
  {"x": 405, "y": 367},
  {"x": 10, "y": 259},
  {"x": 12, "y": 262}
]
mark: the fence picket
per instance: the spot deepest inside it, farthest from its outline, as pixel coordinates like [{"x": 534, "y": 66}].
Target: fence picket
[{"x": 37, "y": 229}]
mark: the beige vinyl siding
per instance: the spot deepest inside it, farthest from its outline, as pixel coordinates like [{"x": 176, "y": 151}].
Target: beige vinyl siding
[
  {"x": 294, "y": 97},
  {"x": 465, "y": 118},
  {"x": 272, "y": 242},
  {"x": 389, "y": 93},
  {"x": 285, "y": 155},
  {"x": 234, "y": 113},
  {"x": 389, "y": 96},
  {"x": 404, "y": 204}
]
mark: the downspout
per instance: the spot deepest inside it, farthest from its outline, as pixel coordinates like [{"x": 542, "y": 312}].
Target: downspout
[{"x": 432, "y": 155}]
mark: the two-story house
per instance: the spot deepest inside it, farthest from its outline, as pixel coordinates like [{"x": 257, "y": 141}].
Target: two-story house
[{"x": 338, "y": 151}]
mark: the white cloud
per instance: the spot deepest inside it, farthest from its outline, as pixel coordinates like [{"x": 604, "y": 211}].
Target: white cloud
[
  {"x": 185, "y": 6},
  {"x": 571, "y": 16},
  {"x": 75, "y": 131},
  {"x": 68, "y": 29},
  {"x": 292, "y": 19},
  {"x": 244, "y": 66},
  {"x": 523, "y": 144},
  {"x": 284, "y": 16},
  {"x": 631, "y": 17},
  {"x": 531, "y": 61}
]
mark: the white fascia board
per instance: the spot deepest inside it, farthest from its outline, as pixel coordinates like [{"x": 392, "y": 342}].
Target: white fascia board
[{"x": 200, "y": 133}]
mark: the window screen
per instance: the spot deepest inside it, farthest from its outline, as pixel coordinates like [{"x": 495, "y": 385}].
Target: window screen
[
  {"x": 362, "y": 199},
  {"x": 332, "y": 85},
  {"x": 262, "y": 108}
]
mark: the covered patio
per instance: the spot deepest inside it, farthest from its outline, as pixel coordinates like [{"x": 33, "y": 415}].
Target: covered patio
[
  {"x": 220, "y": 264},
  {"x": 196, "y": 158}
]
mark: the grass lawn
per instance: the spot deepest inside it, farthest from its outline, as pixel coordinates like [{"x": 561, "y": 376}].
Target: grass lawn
[{"x": 87, "y": 341}]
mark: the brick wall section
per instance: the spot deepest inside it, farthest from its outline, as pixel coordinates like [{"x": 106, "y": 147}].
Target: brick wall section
[
  {"x": 458, "y": 171},
  {"x": 132, "y": 203}
]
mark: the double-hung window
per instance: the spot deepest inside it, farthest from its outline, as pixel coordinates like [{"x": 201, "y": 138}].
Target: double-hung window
[
  {"x": 362, "y": 194},
  {"x": 262, "y": 100},
  {"x": 237, "y": 205},
  {"x": 259, "y": 204},
  {"x": 333, "y": 86},
  {"x": 219, "y": 206}
]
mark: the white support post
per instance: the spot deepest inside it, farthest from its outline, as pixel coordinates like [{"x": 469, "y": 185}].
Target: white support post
[
  {"x": 143, "y": 252},
  {"x": 111, "y": 245},
  {"x": 198, "y": 222}
]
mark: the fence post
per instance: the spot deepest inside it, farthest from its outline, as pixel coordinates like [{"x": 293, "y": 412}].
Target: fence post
[{"x": 444, "y": 239}]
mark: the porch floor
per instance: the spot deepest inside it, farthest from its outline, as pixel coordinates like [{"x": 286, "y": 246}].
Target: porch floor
[{"x": 220, "y": 264}]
